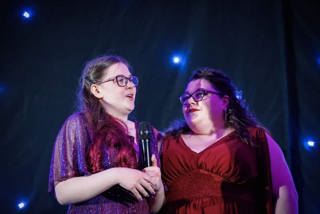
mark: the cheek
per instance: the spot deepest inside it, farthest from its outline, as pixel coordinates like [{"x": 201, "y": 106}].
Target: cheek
[
  {"x": 113, "y": 96},
  {"x": 215, "y": 108},
  {"x": 210, "y": 109},
  {"x": 108, "y": 98},
  {"x": 184, "y": 112},
  {"x": 205, "y": 107},
  {"x": 188, "y": 119},
  {"x": 117, "y": 92},
  {"x": 184, "y": 109}
]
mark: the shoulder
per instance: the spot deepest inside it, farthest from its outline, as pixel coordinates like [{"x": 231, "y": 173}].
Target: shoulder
[
  {"x": 255, "y": 130},
  {"x": 76, "y": 117},
  {"x": 74, "y": 130},
  {"x": 75, "y": 122},
  {"x": 169, "y": 139},
  {"x": 260, "y": 133}
]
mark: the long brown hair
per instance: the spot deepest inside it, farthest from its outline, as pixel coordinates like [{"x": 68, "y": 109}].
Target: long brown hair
[{"x": 111, "y": 146}]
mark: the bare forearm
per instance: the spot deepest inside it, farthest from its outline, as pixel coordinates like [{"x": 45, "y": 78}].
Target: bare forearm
[
  {"x": 287, "y": 202},
  {"x": 283, "y": 184},
  {"x": 79, "y": 189}
]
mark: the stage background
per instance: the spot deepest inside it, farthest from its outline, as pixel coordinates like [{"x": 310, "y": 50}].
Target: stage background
[{"x": 270, "y": 48}]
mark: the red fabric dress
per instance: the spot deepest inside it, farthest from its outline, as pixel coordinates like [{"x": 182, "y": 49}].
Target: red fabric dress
[{"x": 224, "y": 178}]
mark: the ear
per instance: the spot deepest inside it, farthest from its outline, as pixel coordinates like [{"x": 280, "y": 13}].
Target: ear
[
  {"x": 96, "y": 91},
  {"x": 225, "y": 101}
]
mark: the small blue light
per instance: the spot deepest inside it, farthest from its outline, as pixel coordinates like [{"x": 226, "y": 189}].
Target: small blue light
[
  {"x": 311, "y": 143},
  {"x": 26, "y": 14},
  {"x": 176, "y": 59},
  {"x": 21, "y": 205}
]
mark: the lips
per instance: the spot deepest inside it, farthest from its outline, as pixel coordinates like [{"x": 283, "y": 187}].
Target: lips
[
  {"x": 130, "y": 96},
  {"x": 190, "y": 110}
]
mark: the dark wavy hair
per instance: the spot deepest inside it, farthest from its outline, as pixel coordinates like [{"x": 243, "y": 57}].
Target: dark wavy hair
[
  {"x": 111, "y": 144},
  {"x": 236, "y": 116}
]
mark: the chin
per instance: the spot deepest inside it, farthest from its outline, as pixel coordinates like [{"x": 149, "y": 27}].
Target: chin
[
  {"x": 192, "y": 118},
  {"x": 130, "y": 108}
]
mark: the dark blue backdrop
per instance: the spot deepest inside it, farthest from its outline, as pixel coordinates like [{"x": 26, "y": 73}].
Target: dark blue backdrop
[{"x": 271, "y": 48}]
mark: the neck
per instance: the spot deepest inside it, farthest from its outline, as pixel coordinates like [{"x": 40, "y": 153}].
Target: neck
[
  {"x": 209, "y": 128},
  {"x": 122, "y": 117},
  {"x": 118, "y": 115}
]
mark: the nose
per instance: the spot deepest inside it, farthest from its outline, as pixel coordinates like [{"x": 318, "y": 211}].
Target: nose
[
  {"x": 189, "y": 102},
  {"x": 130, "y": 84}
]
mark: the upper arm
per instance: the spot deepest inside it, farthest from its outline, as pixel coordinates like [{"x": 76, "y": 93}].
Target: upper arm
[
  {"x": 282, "y": 180},
  {"x": 67, "y": 152}
]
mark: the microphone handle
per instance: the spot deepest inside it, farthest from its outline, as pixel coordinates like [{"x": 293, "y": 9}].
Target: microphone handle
[{"x": 146, "y": 152}]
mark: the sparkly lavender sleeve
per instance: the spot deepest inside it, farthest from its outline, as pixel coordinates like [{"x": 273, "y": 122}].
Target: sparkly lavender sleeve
[
  {"x": 156, "y": 145},
  {"x": 68, "y": 156}
]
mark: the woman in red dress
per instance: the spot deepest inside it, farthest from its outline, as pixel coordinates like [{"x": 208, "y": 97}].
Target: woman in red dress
[{"x": 219, "y": 160}]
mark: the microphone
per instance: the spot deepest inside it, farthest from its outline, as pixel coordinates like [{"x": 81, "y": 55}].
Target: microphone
[{"x": 145, "y": 140}]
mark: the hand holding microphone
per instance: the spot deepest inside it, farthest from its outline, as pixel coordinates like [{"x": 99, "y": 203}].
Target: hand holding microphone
[
  {"x": 155, "y": 174},
  {"x": 148, "y": 160}
]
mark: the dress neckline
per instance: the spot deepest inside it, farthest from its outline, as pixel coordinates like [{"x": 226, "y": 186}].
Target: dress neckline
[{"x": 208, "y": 147}]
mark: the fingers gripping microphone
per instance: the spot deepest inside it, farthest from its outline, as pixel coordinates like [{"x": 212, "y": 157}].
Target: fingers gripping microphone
[{"x": 145, "y": 140}]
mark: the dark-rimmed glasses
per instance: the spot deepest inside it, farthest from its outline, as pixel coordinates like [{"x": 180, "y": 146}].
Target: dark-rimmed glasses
[
  {"x": 197, "y": 96},
  {"x": 122, "y": 81}
]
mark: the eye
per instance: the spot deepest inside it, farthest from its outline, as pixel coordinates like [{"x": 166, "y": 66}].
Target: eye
[
  {"x": 198, "y": 95},
  {"x": 122, "y": 80}
]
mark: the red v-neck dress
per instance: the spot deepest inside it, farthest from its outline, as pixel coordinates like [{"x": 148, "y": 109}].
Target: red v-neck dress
[{"x": 223, "y": 178}]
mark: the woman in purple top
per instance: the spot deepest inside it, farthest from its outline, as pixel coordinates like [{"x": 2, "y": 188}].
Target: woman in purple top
[{"x": 95, "y": 161}]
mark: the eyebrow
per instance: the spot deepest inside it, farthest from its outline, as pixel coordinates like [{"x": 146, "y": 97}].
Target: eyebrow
[
  {"x": 124, "y": 75},
  {"x": 119, "y": 75},
  {"x": 186, "y": 92}
]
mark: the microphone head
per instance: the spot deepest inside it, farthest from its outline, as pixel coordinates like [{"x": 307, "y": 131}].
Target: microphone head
[{"x": 145, "y": 131}]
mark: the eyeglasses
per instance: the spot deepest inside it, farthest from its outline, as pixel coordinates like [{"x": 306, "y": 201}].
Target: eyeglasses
[
  {"x": 122, "y": 81},
  {"x": 197, "y": 96}
]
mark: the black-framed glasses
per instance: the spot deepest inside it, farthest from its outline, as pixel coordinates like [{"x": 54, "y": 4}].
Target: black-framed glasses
[
  {"x": 122, "y": 81},
  {"x": 197, "y": 96}
]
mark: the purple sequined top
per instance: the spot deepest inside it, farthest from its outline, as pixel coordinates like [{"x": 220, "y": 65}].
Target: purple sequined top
[{"x": 69, "y": 160}]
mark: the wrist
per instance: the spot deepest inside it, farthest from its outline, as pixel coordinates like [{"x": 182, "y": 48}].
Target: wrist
[
  {"x": 160, "y": 188},
  {"x": 115, "y": 175}
]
